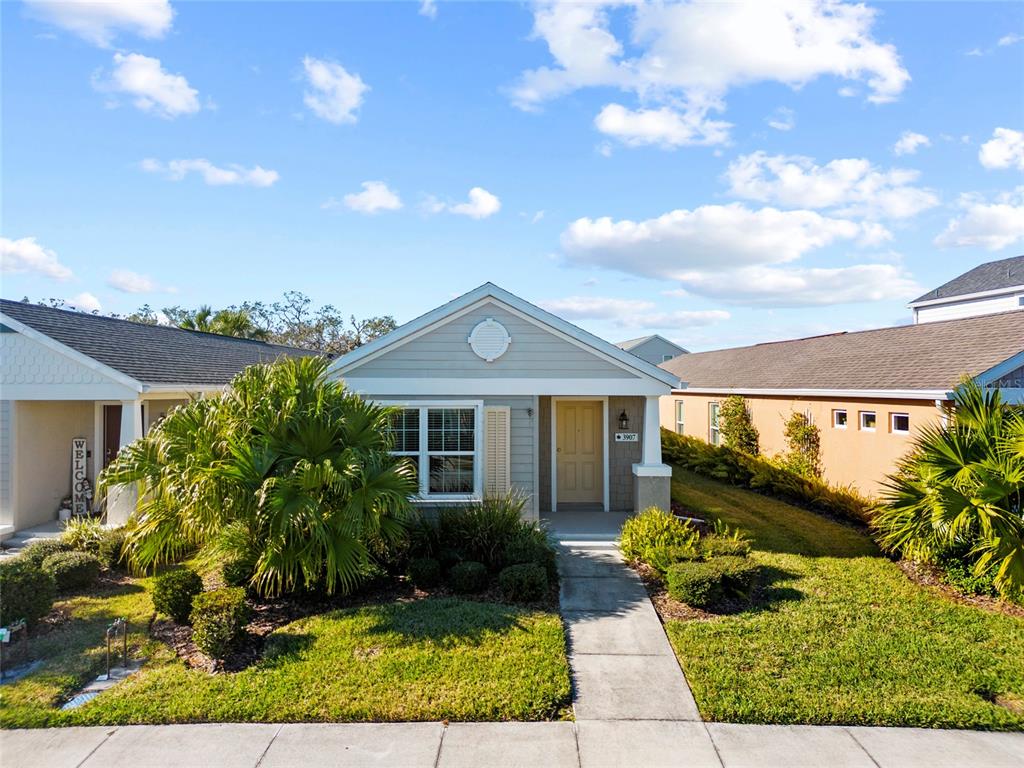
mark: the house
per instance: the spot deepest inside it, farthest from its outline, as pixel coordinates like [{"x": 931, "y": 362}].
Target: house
[
  {"x": 67, "y": 376},
  {"x": 497, "y": 394},
  {"x": 997, "y": 286},
  {"x": 654, "y": 349},
  {"x": 869, "y": 392}
]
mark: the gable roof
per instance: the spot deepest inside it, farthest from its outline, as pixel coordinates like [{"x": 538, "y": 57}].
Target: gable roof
[
  {"x": 991, "y": 276},
  {"x": 491, "y": 291},
  {"x": 929, "y": 356},
  {"x": 149, "y": 354},
  {"x": 630, "y": 344}
]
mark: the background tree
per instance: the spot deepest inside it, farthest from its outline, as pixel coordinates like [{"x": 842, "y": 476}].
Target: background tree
[{"x": 737, "y": 426}]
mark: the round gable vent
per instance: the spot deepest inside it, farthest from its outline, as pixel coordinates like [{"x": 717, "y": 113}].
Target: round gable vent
[{"x": 489, "y": 339}]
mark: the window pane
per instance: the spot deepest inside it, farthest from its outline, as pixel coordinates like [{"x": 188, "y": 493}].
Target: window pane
[
  {"x": 839, "y": 418},
  {"x": 867, "y": 420},
  {"x": 451, "y": 474},
  {"x": 405, "y": 428},
  {"x": 900, "y": 422},
  {"x": 450, "y": 429}
]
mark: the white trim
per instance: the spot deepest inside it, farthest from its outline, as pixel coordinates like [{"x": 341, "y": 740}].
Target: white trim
[
  {"x": 892, "y": 423},
  {"x": 876, "y": 394},
  {"x": 966, "y": 296},
  {"x": 860, "y": 421},
  {"x": 999, "y": 370},
  {"x": 501, "y": 387},
  {"x": 172, "y": 390},
  {"x": 606, "y": 495},
  {"x": 652, "y": 470},
  {"x": 846, "y": 413}
]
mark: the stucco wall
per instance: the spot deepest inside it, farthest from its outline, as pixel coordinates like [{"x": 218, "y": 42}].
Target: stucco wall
[
  {"x": 156, "y": 409},
  {"x": 6, "y": 460},
  {"x": 850, "y": 456}
]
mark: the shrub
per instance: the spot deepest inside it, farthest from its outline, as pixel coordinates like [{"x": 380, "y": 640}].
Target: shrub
[
  {"x": 695, "y": 583},
  {"x": 481, "y": 531},
  {"x": 961, "y": 575},
  {"x": 523, "y": 583},
  {"x": 218, "y": 620},
  {"x": 661, "y": 558},
  {"x": 449, "y": 557},
  {"x": 72, "y": 570},
  {"x": 425, "y": 572},
  {"x": 237, "y": 571},
  {"x": 111, "y": 547},
  {"x": 803, "y": 439},
  {"x": 531, "y": 545},
  {"x": 26, "y": 591},
  {"x": 737, "y": 574},
  {"x": 715, "y": 546},
  {"x": 38, "y": 551},
  {"x": 653, "y": 529},
  {"x": 468, "y": 576},
  {"x": 737, "y": 427},
  {"x": 174, "y": 592},
  {"x": 83, "y": 534}
]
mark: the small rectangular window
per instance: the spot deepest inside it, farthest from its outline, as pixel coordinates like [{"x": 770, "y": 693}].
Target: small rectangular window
[
  {"x": 666, "y": 358},
  {"x": 714, "y": 435},
  {"x": 868, "y": 421},
  {"x": 839, "y": 418},
  {"x": 899, "y": 423},
  {"x": 680, "y": 413}
]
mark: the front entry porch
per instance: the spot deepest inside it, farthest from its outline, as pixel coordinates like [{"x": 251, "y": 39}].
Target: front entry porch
[{"x": 584, "y": 524}]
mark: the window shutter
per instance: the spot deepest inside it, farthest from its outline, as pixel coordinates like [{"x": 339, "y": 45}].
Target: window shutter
[{"x": 497, "y": 472}]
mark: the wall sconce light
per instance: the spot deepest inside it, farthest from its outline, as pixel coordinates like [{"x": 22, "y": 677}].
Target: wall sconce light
[
  {"x": 623, "y": 421},
  {"x": 529, "y": 412}
]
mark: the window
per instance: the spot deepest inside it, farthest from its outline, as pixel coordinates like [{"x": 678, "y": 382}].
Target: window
[
  {"x": 442, "y": 443},
  {"x": 867, "y": 421},
  {"x": 680, "y": 411},
  {"x": 899, "y": 423},
  {"x": 839, "y": 418},
  {"x": 666, "y": 358},
  {"x": 714, "y": 435}
]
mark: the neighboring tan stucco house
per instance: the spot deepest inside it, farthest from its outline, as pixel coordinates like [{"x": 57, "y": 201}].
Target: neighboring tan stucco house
[
  {"x": 997, "y": 286},
  {"x": 66, "y": 375},
  {"x": 654, "y": 349},
  {"x": 868, "y": 392},
  {"x": 498, "y": 394}
]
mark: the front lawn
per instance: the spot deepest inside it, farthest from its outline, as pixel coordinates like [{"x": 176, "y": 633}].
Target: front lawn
[{"x": 839, "y": 634}]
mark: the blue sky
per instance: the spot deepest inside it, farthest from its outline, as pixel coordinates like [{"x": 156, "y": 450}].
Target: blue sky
[{"x": 719, "y": 174}]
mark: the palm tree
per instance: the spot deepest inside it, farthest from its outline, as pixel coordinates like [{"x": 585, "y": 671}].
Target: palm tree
[
  {"x": 226, "y": 322},
  {"x": 285, "y": 471},
  {"x": 961, "y": 489}
]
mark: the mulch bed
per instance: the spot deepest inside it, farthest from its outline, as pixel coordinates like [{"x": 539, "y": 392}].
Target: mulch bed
[{"x": 931, "y": 577}]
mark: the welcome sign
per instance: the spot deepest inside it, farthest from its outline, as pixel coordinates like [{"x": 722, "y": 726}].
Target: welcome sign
[{"x": 79, "y": 476}]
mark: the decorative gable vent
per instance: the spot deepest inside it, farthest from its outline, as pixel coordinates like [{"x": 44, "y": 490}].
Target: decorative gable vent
[{"x": 489, "y": 340}]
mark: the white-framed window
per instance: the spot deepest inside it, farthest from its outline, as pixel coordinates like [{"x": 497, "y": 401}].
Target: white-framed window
[
  {"x": 899, "y": 423},
  {"x": 868, "y": 421},
  {"x": 839, "y": 418},
  {"x": 680, "y": 416},
  {"x": 714, "y": 434},
  {"x": 666, "y": 358},
  {"x": 443, "y": 439}
]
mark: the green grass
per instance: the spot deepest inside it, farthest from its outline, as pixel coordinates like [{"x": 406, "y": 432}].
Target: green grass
[
  {"x": 428, "y": 659},
  {"x": 839, "y": 634}
]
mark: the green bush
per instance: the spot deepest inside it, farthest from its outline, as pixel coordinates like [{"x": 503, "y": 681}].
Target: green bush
[
  {"x": 695, "y": 583},
  {"x": 468, "y": 576},
  {"x": 961, "y": 575},
  {"x": 72, "y": 570},
  {"x": 111, "y": 547},
  {"x": 482, "y": 530},
  {"x": 237, "y": 571},
  {"x": 218, "y": 620},
  {"x": 38, "y": 551},
  {"x": 523, "y": 583},
  {"x": 660, "y": 558},
  {"x": 449, "y": 557},
  {"x": 737, "y": 574},
  {"x": 653, "y": 529},
  {"x": 26, "y": 591},
  {"x": 174, "y": 592},
  {"x": 532, "y": 545},
  {"x": 425, "y": 572},
  {"x": 737, "y": 426},
  {"x": 715, "y": 546},
  {"x": 83, "y": 534}
]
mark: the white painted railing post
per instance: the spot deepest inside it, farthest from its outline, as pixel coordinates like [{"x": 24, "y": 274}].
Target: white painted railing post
[{"x": 652, "y": 432}]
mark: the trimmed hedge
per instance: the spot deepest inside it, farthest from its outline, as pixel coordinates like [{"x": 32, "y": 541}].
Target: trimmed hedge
[
  {"x": 218, "y": 620},
  {"x": 26, "y": 591},
  {"x": 661, "y": 558},
  {"x": 72, "y": 570},
  {"x": 38, "y": 551},
  {"x": 111, "y": 547},
  {"x": 468, "y": 576},
  {"x": 531, "y": 545},
  {"x": 703, "y": 584},
  {"x": 425, "y": 572},
  {"x": 523, "y": 583},
  {"x": 174, "y": 592},
  {"x": 654, "y": 529}
]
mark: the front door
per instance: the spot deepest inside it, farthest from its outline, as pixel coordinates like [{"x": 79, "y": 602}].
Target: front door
[
  {"x": 111, "y": 433},
  {"x": 579, "y": 463}
]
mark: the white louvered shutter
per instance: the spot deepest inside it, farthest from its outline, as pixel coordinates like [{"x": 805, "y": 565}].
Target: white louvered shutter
[{"x": 497, "y": 472}]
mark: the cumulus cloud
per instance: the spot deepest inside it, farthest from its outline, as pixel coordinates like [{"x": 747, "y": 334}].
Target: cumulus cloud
[
  {"x": 982, "y": 223},
  {"x": 1004, "y": 150},
  {"x": 480, "y": 204},
  {"x": 852, "y": 186},
  {"x": 630, "y": 313},
  {"x": 126, "y": 281},
  {"x": 26, "y": 255},
  {"x": 664, "y": 127},
  {"x": 151, "y": 88},
  {"x": 333, "y": 93},
  {"x": 909, "y": 142},
  {"x": 376, "y": 196},
  {"x": 85, "y": 301},
  {"x": 100, "y": 21},
  {"x": 234, "y": 174},
  {"x": 428, "y": 8}
]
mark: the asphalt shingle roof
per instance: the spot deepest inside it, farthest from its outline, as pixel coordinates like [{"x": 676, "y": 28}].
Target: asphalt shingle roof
[
  {"x": 991, "y": 276},
  {"x": 152, "y": 354},
  {"x": 925, "y": 356}
]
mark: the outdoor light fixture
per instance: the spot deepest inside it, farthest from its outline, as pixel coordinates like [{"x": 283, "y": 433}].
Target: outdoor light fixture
[{"x": 623, "y": 421}]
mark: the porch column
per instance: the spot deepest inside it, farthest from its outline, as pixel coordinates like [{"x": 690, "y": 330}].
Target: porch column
[
  {"x": 652, "y": 480},
  {"x": 121, "y": 499}
]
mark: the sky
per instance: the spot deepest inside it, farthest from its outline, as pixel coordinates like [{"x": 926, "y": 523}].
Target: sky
[{"x": 721, "y": 174}]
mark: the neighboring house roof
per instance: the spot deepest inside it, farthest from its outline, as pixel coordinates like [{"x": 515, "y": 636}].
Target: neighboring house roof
[
  {"x": 150, "y": 354},
  {"x": 993, "y": 276},
  {"x": 929, "y": 356},
  {"x": 630, "y": 344},
  {"x": 440, "y": 315}
]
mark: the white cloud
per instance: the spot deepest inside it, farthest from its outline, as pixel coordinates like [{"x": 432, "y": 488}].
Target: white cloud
[
  {"x": 428, "y": 8},
  {"x": 984, "y": 224},
  {"x": 27, "y": 255},
  {"x": 333, "y": 93},
  {"x": 214, "y": 176},
  {"x": 853, "y": 186},
  {"x": 480, "y": 205},
  {"x": 909, "y": 142},
  {"x": 1004, "y": 150},
  {"x": 630, "y": 313},
  {"x": 376, "y": 196},
  {"x": 1010, "y": 39},
  {"x": 688, "y": 57},
  {"x": 664, "y": 127},
  {"x": 85, "y": 301},
  {"x": 151, "y": 88},
  {"x": 782, "y": 119},
  {"x": 99, "y": 21},
  {"x": 126, "y": 281}
]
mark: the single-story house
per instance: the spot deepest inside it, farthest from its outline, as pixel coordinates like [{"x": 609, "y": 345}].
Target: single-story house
[
  {"x": 98, "y": 382},
  {"x": 997, "y": 286},
  {"x": 869, "y": 392},
  {"x": 654, "y": 348},
  {"x": 498, "y": 394}
]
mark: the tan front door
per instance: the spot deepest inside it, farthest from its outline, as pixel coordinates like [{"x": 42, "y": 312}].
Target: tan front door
[{"x": 580, "y": 461}]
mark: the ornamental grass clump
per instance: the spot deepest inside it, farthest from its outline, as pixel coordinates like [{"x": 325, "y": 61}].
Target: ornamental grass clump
[{"x": 654, "y": 529}]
